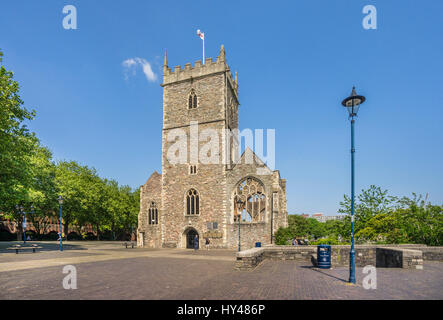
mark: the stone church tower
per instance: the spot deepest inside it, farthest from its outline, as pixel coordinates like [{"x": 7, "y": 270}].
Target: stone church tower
[{"x": 194, "y": 195}]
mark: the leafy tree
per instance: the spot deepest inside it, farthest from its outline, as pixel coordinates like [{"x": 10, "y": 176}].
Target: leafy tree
[
  {"x": 368, "y": 204},
  {"x": 16, "y": 144},
  {"x": 315, "y": 228},
  {"x": 76, "y": 184},
  {"x": 421, "y": 221},
  {"x": 42, "y": 192},
  {"x": 338, "y": 229},
  {"x": 298, "y": 225},
  {"x": 383, "y": 227},
  {"x": 283, "y": 235}
]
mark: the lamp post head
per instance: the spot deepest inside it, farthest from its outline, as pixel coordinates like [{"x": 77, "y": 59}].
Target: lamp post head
[
  {"x": 239, "y": 206},
  {"x": 353, "y": 102},
  {"x": 60, "y": 199}
]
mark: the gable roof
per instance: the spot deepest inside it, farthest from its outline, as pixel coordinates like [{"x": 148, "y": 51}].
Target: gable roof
[
  {"x": 154, "y": 179},
  {"x": 249, "y": 157}
]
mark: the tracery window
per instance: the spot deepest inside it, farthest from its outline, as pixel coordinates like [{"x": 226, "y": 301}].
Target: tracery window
[
  {"x": 153, "y": 214},
  {"x": 252, "y": 193},
  {"x": 192, "y": 202},
  {"x": 192, "y": 100}
]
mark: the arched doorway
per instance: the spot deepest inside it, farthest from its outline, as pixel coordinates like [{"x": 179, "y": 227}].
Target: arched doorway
[{"x": 189, "y": 237}]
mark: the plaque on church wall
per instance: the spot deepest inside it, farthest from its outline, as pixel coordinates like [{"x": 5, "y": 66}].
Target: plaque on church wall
[{"x": 215, "y": 234}]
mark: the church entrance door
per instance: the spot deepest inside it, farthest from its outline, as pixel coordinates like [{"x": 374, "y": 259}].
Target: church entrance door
[{"x": 190, "y": 238}]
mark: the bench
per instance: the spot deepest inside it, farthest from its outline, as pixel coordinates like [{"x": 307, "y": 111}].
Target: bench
[
  {"x": 126, "y": 245},
  {"x": 18, "y": 247}
]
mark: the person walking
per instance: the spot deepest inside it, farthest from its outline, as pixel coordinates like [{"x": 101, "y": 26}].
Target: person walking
[
  {"x": 207, "y": 243},
  {"x": 196, "y": 243}
]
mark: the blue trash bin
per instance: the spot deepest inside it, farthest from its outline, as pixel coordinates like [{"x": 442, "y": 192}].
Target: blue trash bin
[
  {"x": 258, "y": 244},
  {"x": 324, "y": 256}
]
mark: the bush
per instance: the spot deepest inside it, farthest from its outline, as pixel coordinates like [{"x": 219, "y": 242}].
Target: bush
[
  {"x": 283, "y": 235},
  {"x": 330, "y": 241}
]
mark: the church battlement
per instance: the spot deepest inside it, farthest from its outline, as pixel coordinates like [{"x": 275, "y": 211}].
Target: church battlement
[{"x": 198, "y": 70}]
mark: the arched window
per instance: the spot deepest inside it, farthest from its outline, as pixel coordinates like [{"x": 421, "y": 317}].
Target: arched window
[
  {"x": 153, "y": 214},
  {"x": 192, "y": 102},
  {"x": 252, "y": 193},
  {"x": 195, "y": 101},
  {"x": 192, "y": 169},
  {"x": 192, "y": 202}
]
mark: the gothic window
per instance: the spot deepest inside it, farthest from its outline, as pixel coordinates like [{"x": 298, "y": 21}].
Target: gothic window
[
  {"x": 153, "y": 214},
  {"x": 192, "y": 169},
  {"x": 192, "y": 101},
  {"x": 252, "y": 193},
  {"x": 192, "y": 203}
]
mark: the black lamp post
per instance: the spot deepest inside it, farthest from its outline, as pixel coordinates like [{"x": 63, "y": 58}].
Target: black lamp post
[
  {"x": 240, "y": 209},
  {"x": 60, "y": 201},
  {"x": 352, "y": 103}
]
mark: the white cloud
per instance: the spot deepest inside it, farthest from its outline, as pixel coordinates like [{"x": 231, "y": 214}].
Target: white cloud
[{"x": 130, "y": 66}]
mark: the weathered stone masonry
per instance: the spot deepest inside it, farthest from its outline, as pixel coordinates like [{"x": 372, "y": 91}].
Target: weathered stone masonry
[
  {"x": 407, "y": 256},
  {"x": 215, "y": 107}
]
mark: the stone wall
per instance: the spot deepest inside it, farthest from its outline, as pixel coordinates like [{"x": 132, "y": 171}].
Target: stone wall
[
  {"x": 249, "y": 259},
  {"x": 432, "y": 253},
  {"x": 363, "y": 256},
  {"x": 250, "y": 233},
  {"x": 149, "y": 235},
  {"x": 400, "y": 256}
]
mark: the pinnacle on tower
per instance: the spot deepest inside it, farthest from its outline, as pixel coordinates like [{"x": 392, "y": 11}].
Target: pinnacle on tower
[
  {"x": 221, "y": 56},
  {"x": 165, "y": 63}
]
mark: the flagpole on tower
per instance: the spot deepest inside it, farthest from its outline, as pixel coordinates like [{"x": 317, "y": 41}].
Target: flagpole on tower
[{"x": 202, "y": 36}]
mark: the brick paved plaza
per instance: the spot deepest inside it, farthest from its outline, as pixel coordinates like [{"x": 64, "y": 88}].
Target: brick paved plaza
[{"x": 109, "y": 271}]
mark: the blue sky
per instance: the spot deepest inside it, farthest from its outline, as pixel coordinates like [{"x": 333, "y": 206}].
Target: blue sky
[{"x": 296, "y": 61}]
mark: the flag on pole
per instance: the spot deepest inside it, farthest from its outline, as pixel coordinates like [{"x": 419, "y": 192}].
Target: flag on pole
[{"x": 201, "y": 34}]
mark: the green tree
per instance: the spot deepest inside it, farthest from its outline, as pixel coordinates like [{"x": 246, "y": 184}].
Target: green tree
[
  {"x": 16, "y": 144},
  {"x": 383, "y": 227},
  {"x": 315, "y": 228},
  {"x": 42, "y": 191},
  {"x": 298, "y": 225},
  {"x": 421, "y": 221},
  {"x": 368, "y": 204},
  {"x": 77, "y": 185}
]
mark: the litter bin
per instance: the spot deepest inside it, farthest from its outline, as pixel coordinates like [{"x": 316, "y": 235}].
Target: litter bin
[
  {"x": 258, "y": 244},
  {"x": 324, "y": 256}
]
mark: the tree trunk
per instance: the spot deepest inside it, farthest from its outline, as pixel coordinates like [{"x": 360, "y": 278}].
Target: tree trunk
[{"x": 98, "y": 232}]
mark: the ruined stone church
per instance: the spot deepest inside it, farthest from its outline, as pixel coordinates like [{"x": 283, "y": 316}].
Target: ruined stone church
[{"x": 210, "y": 200}]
